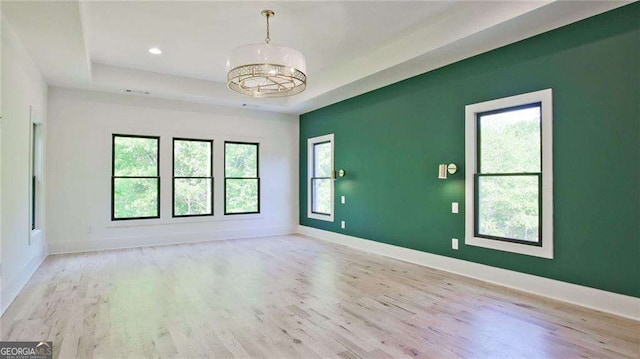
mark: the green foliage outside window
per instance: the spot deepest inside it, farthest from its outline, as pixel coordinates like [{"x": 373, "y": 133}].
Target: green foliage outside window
[
  {"x": 509, "y": 207},
  {"x": 193, "y": 179},
  {"x": 509, "y": 164}
]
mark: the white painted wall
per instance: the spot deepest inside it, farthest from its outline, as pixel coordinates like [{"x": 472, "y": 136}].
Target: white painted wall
[
  {"x": 22, "y": 87},
  {"x": 1, "y": 307},
  {"x": 79, "y": 171}
]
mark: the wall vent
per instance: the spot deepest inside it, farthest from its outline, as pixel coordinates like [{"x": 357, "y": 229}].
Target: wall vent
[{"x": 137, "y": 92}]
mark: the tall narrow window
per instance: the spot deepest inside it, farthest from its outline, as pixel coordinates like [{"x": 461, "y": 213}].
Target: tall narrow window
[
  {"x": 241, "y": 178},
  {"x": 510, "y": 174},
  {"x": 135, "y": 181},
  {"x": 192, "y": 177},
  {"x": 35, "y": 173},
  {"x": 319, "y": 172}
]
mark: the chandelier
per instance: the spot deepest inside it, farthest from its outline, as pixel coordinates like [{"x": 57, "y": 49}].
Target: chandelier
[{"x": 266, "y": 70}]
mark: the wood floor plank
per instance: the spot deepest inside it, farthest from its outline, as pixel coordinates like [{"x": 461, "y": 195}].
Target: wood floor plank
[{"x": 293, "y": 297}]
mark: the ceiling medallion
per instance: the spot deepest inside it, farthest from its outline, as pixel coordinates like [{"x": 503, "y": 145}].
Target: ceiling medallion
[{"x": 265, "y": 70}]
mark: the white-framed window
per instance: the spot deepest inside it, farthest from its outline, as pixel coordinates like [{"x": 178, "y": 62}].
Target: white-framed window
[
  {"x": 509, "y": 178},
  {"x": 320, "y": 181},
  {"x": 36, "y": 154},
  {"x": 34, "y": 175}
]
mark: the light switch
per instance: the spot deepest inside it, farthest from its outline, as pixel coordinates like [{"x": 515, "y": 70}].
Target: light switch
[
  {"x": 343, "y": 224},
  {"x": 454, "y": 243},
  {"x": 342, "y": 200},
  {"x": 454, "y": 207}
]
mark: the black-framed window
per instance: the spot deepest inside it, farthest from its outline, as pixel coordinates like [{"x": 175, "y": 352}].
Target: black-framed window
[
  {"x": 135, "y": 179},
  {"x": 192, "y": 177},
  {"x": 241, "y": 178},
  {"x": 508, "y": 182},
  {"x": 321, "y": 179}
]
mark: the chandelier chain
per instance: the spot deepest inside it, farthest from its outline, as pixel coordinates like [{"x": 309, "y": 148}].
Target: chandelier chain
[{"x": 268, "y": 38}]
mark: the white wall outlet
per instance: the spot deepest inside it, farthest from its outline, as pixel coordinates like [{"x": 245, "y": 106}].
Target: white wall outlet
[
  {"x": 343, "y": 200},
  {"x": 454, "y": 207},
  {"x": 89, "y": 229},
  {"x": 343, "y": 224},
  {"x": 454, "y": 243}
]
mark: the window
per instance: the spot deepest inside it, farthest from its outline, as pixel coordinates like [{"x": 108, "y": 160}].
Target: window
[
  {"x": 135, "y": 181},
  {"x": 36, "y": 172},
  {"x": 509, "y": 174},
  {"x": 192, "y": 177},
  {"x": 241, "y": 178},
  {"x": 320, "y": 178}
]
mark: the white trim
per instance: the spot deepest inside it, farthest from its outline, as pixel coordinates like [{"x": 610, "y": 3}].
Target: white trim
[
  {"x": 183, "y": 220},
  {"x": 157, "y": 240},
  {"x": 609, "y": 302},
  {"x": 545, "y": 97},
  {"x": 310, "y": 142},
  {"x": 31, "y": 166},
  {"x": 9, "y": 292}
]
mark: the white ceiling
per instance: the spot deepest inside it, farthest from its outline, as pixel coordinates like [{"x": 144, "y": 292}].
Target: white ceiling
[
  {"x": 351, "y": 46},
  {"x": 196, "y": 37}
]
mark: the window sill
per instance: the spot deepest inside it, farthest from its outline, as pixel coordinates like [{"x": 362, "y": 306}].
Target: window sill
[
  {"x": 181, "y": 220},
  {"x": 545, "y": 251},
  {"x": 320, "y": 217}
]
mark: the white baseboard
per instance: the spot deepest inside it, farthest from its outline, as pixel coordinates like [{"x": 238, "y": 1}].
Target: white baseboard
[
  {"x": 179, "y": 238},
  {"x": 9, "y": 292},
  {"x": 618, "y": 304}
]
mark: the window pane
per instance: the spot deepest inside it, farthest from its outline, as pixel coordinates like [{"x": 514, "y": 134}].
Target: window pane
[
  {"x": 241, "y": 160},
  {"x": 134, "y": 156},
  {"x": 321, "y": 200},
  {"x": 135, "y": 197},
  {"x": 322, "y": 159},
  {"x": 510, "y": 141},
  {"x": 192, "y": 196},
  {"x": 191, "y": 158},
  {"x": 508, "y": 207},
  {"x": 241, "y": 195}
]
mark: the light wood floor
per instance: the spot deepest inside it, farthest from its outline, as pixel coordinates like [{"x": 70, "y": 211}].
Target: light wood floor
[{"x": 293, "y": 297}]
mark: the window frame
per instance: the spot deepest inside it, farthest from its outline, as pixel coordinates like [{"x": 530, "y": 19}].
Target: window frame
[
  {"x": 36, "y": 173},
  {"x": 479, "y": 174},
  {"x": 174, "y": 177},
  {"x": 257, "y": 144},
  {"x": 34, "y": 181},
  {"x": 311, "y": 142},
  {"x": 544, "y": 247},
  {"x": 114, "y": 177}
]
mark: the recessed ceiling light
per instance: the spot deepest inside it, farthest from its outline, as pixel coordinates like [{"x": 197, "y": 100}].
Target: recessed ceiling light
[{"x": 155, "y": 51}]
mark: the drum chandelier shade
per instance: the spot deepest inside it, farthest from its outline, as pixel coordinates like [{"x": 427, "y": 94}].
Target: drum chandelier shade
[{"x": 265, "y": 70}]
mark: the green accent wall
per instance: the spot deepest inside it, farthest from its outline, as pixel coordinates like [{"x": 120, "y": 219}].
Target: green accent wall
[{"x": 391, "y": 140}]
